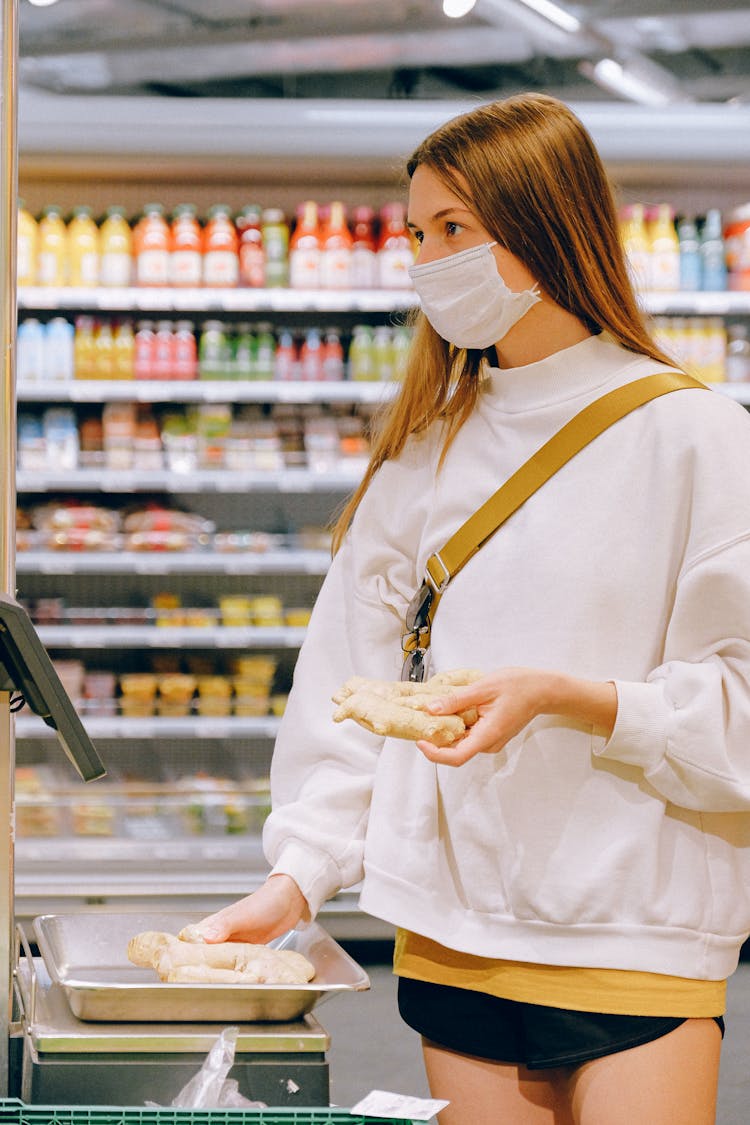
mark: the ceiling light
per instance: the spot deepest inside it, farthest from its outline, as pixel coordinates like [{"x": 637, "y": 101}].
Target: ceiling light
[
  {"x": 555, "y": 14},
  {"x": 622, "y": 79},
  {"x": 42, "y": 3},
  {"x": 457, "y": 8}
]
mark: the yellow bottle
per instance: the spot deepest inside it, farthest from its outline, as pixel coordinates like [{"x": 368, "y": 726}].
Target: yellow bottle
[
  {"x": 103, "y": 351},
  {"x": 83, "y": 249},
  {"x": 123, "y": 350},
  {"x": 665, "y": 251},
  {"x": 28, "y": 246},
  {"x": 116, "y": 249},
  {"x": 637, "y": 246},
  {"x": 83, "y": 348},
  {"x": 52, "y": 262}
]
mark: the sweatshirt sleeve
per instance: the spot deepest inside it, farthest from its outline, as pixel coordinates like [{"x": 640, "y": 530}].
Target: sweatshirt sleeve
[
  {"x": 688, "y": 725},
  {"x": 322, "y": 773}
]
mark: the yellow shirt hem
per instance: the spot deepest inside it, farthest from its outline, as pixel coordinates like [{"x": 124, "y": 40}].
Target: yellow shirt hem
[{"x": 613, "y": 991}]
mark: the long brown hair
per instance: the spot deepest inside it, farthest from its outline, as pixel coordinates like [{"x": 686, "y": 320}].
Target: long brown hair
[{"x": 529, "y": 171}]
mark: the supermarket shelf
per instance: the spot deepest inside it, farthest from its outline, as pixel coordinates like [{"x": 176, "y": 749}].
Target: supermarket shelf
[
  {"x": 215, "y": 300},
  {"x": 165, "y": 562},
  {"x": 205, "y": 390},
  {"x": 696, "y": 304},
  {"x": 134, "y": 480},
  {"x": 192, "y": 726},
  {"x": 156, "y": 636}
]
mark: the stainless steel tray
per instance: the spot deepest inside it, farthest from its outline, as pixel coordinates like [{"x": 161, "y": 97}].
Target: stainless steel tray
[{"x": 86, "y": 954}]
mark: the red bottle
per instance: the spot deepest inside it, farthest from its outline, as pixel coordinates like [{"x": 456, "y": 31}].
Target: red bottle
[
  {"x": 336, "y": 250},
  {"x": 304, "y": 249},
  {"x": 364, "y": 249},
  {"x": 252, "y": 256},
  {"x": 395, "y": 249}
]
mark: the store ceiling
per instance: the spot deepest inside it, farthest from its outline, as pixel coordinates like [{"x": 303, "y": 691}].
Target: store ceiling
[{"x": 695, "y": 50}]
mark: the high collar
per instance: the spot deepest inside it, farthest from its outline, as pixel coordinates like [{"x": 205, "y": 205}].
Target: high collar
[{"x": 564, "y": 375}]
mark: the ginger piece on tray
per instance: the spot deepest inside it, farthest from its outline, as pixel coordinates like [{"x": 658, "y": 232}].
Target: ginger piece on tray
[
  {"x": 177, "y": 960},
  {"x": 398, "y": 709}
]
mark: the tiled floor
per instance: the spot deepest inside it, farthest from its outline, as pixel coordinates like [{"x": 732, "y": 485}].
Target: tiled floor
[{"x": 372, "y": 1049}]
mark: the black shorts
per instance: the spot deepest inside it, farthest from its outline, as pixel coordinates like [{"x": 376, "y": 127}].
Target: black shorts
[{"x": 533, "y": 1035}]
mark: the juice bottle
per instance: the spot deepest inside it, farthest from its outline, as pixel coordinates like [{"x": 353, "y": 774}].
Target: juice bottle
[
  {"x": 115, "y": 249},
  {"x": 123, "y": 350},
  {"x": 103, "y": 351},
  {"x": 83, "y": 348},
  {"x": 186, "y": 255},
  {"x": 304, "y": 249},
  {"x": 83, "y": 249},
  {"x": 691, "y": 266},
  {"x": 395, "y": 248},
  {"x": 636, "y": 245},
  {"x": 401, "y": 349},
  {"x": 713, "y": 252},
  {"x": 251, "y": 253},
  {"x": 265, "y": 356},
  {"x": 52, "y": 266},
  {"x": 213, "y": 351},
  {"x": 28, "y": 246},
  {"x": 382, "y": 351},
  {"x": 333, "y": 356},
  {"x": 275, "y": 234},
  {"x": 151, "y": 247},
  {"x": 665, "y": 251},
  {"x": 361, "y": 358},
  {"x": 163, "y": 361},
  {"x": 185, "y": 351},
  {"x": 336, "y": 250},
  {"x": 143, "y": 360},
  {"x": 220, "y": 249},
  {"x": 285, "y": 363},
  {"x": 59, "y": 356},
  {"x": 311, "y": 357},
  {"x": 364, "y": 249}
]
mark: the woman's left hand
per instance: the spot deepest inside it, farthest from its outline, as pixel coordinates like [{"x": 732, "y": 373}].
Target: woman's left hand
[{"x": 508, "y": 700}]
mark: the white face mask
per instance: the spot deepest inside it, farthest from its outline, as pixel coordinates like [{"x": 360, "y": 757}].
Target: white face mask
[{"x": 465, "y": 299}]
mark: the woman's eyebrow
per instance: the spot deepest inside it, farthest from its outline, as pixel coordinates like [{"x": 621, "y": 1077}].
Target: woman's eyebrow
[{"x": 441, "y": 214}]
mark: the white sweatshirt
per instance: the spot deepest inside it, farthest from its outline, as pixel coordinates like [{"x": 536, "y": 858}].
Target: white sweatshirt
[{"x": 632, "y": 564}]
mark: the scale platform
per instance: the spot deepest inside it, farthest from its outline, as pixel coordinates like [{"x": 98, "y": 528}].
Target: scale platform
[{"x": 68, "y": 1061}]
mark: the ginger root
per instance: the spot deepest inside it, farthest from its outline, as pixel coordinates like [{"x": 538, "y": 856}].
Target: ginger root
[
  {"x": 224, "y": 962},
  {"x": 398, "y": 709}
]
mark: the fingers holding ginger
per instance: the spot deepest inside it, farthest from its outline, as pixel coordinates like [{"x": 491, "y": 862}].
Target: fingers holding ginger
[{"x": 400, "y": 709}]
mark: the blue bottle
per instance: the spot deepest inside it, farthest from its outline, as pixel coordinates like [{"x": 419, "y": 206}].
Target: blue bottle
[
  {"x": 713, "y": 253},
  {"x": 691, "y": 261}
]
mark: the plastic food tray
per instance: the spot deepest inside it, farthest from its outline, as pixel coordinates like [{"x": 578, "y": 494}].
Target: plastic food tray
[
  {"x": 86, "y": 955},
  {"x": 16, "y": 1113}
]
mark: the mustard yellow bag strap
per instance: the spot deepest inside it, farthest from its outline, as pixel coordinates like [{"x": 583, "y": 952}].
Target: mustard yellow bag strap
[{"x": 443, "y": 565}]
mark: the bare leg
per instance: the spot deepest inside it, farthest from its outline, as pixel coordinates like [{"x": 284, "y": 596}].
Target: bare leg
[
  {"x": 482, "y": 1092},
  {"x": 671, "y": 1081}
]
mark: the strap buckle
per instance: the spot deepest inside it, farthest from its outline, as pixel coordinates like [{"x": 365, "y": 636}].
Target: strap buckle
[{"x": 440, "y": 584}]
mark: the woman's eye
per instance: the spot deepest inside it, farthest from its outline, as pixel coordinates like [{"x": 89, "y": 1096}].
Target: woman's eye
[
  {"x": 452, "y": 229},
  {"x": 418, "y": 236}
]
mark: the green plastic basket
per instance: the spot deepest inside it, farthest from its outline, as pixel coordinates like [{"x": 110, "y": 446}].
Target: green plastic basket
[{"x": 13, "y": 1112}]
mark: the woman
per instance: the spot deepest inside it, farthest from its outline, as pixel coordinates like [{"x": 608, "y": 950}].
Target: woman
[{"x": 570, "y": 881}]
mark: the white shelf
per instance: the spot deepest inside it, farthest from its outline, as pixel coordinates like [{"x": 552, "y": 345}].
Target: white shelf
[
  {"x": 210, "y": 301},
  {"x": 696, "y": 304},
  {"x": 160, "y": 562},
  {"x": 155, "y": 636},
  {"x": 135, "y": 480},
  {"x": 205, "y": 390},
  {"x": 157, "y": 727}
]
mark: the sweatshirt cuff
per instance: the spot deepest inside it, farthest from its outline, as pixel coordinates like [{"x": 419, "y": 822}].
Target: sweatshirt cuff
[
  {"x": 639, "y": 737},
  {"x": 315, "y": 873}
]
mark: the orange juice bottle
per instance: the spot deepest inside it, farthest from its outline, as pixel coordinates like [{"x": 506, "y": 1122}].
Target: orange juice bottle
[
  {"x": 304, "y": 249},
  {"x": 221, "y": 262},
  {"x": 28, "y": 240},
  {"x": 152, "y": 245},
  {"x": 52, "y": 262},
  {"x": 336, "y": 250},
  {"x": 103, "y": 351},
  {"x": 83, "y": 249},
  {"x": 115, "y": 249}
]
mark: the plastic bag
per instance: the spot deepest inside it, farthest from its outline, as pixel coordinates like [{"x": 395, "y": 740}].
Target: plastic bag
[{"x": 210, "y": 1088}]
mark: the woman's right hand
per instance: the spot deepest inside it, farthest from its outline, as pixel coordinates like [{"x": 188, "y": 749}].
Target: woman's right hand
[{"x": 277, "y": 906}]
